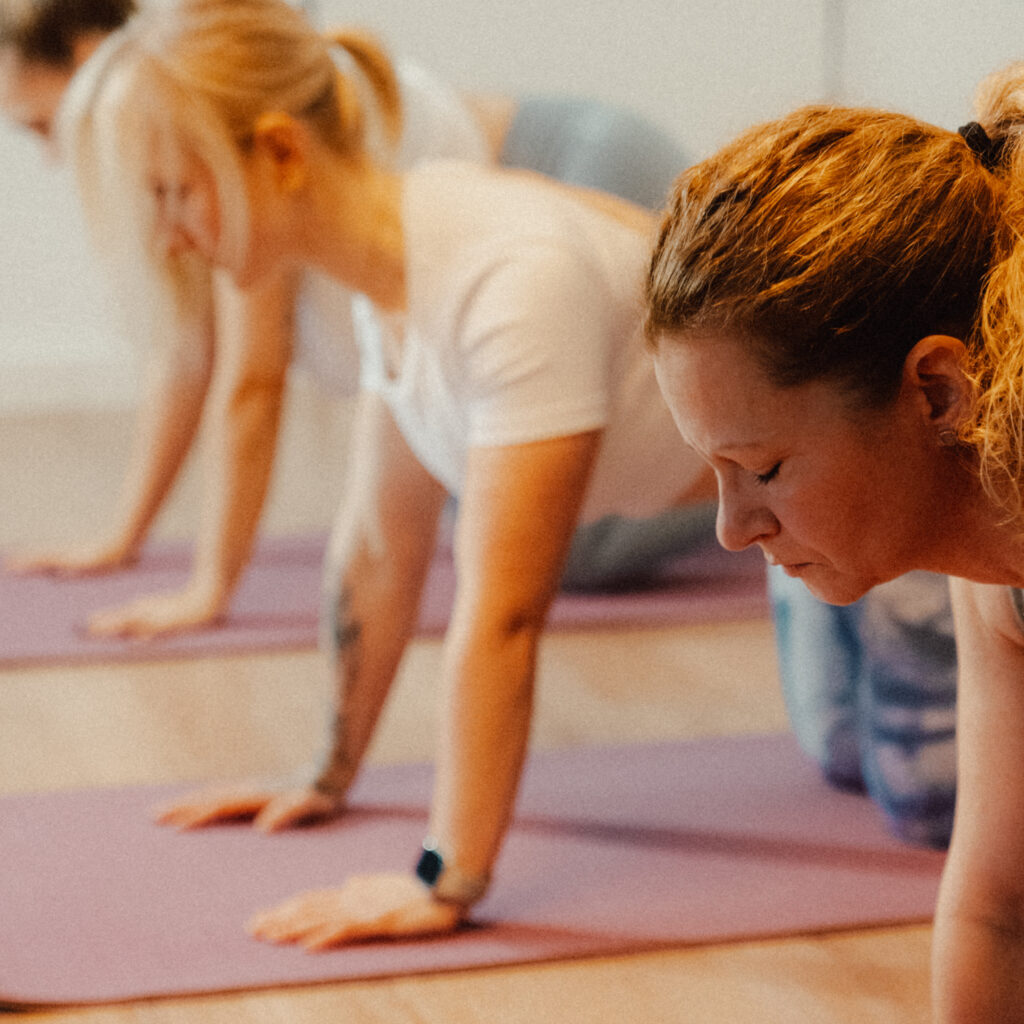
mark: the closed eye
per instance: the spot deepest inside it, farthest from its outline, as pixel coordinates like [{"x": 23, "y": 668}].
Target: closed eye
[{"x": 767, "y": 478}]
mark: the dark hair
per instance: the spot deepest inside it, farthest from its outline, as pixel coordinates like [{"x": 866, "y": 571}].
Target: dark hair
[{"x": 46, "y": 30}]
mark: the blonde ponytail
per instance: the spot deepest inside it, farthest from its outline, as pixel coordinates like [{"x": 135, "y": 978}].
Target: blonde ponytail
[
  {"x": 196, "y": 76},
  {"x": 378, "y": 70}
]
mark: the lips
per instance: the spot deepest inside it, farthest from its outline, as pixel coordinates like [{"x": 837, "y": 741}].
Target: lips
[{"x": 793, "y": 568}]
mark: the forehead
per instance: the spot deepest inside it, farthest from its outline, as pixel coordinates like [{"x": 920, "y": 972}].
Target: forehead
[{"x": 723, "y": 400}]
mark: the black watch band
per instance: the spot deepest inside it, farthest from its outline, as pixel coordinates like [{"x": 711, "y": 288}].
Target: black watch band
[{"x": 446, "y": 882}]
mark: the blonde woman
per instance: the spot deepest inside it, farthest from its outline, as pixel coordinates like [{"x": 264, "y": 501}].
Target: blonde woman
[
  {"x": 229, "y": 365},
  {"x": 836, "y": 304},
  {"x": 496, "y": 315}
]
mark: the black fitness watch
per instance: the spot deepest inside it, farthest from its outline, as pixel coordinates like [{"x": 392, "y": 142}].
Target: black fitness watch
[{"x": 445, "y": 881}]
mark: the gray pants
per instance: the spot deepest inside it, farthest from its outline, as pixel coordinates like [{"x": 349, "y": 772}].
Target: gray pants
[{"x": 596, "y": 145}]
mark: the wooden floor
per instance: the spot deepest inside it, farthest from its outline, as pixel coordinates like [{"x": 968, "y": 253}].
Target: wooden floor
[{"x": 218, "y": 718}]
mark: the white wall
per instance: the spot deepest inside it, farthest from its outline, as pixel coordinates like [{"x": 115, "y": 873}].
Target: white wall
[
  {"x": 56, "y": 349},
  {"x": 926, "y": 57},
  {"x": 701, "y": 69}
]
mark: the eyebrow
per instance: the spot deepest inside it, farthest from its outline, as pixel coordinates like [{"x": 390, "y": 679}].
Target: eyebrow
[{"x": 739, "y": 446}]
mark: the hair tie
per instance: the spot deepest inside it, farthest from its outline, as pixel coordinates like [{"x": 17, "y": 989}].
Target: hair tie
[{"x": 988, "y": 150}]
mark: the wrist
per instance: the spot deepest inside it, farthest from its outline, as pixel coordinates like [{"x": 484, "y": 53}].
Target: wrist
[
  {"x": 210, "y": 593},
  {"x": 447, "y": 882},
  {"x": 334, "y": 790},
  {"x": 119, "y": 550},
  {"x": 334, "y": 779}
]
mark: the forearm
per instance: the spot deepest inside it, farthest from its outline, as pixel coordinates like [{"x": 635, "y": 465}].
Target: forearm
[
  {"x": 369, "y": 617},
  {"x": 978, "y": 970},
  {"x": 978, "y": 959},
  {"x": 238, "y": 464},
  {"x": 254, "y": 338},
  {"x": 518, "y": 511},
  {"x": 486, "y": 712},
  {"x": 166, "y": 428}
]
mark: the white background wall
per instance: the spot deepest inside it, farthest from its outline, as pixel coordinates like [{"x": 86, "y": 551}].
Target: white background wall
[{"x": 702, "y": 69}]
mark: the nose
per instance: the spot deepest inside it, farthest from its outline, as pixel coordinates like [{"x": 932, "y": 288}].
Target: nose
[{"x": 742, "y": 519}]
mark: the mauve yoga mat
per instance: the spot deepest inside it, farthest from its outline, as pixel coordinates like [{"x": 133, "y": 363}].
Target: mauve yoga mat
[
  {"x": 612, "y": 851},
  {"x": 42, "y": 621}
]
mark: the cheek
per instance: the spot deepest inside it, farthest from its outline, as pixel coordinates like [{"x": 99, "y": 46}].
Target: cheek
[{"x": 823, "y": 508}]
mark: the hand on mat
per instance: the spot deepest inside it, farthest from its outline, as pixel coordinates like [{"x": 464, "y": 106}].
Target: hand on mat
[
  {"x": 366, "y": 907},
  {"x": 271, "y": 810},
  {"x": 83, "y": 560},
  {"x": 156, "y": 614}
]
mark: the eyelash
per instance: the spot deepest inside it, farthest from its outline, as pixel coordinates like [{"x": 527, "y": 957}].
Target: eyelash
[{"x": 767, "y": 478}]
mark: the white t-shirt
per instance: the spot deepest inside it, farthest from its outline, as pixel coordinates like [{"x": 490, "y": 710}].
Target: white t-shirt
[
  {"x": 435, "y": 123},
  {"x": 523, "y": 323}
]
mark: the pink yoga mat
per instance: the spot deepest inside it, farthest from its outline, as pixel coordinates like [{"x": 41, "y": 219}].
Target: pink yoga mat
[
  {"x": 276, "y": 607},
  {"x": 612, "y": 851}
]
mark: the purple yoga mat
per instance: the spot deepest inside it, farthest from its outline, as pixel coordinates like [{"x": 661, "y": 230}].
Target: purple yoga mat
[
  {"x": 612, "y": 851},
  {"x": 42, "y": 620}
]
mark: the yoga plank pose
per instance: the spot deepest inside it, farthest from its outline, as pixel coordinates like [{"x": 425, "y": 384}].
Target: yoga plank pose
[
  {"x": 496, "y": 315},
  {"x": 229, "y": 367}
]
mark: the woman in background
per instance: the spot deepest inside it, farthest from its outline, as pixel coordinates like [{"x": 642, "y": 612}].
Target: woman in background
[
  {"x": 836, "y": 304},
  {"x": 229, "y": 368},
  {"x": 495, "y": 313},
  {"x": 870, "y": 689}
]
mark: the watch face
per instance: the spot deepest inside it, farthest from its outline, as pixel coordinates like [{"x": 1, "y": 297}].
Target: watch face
[{"x": 429, "y": 868}]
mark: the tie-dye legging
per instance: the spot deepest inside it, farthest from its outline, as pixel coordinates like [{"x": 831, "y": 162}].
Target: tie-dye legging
[{"x": 871, "y": 693}]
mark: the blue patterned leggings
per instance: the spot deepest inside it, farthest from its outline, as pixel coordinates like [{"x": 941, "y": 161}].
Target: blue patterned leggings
[{"x": 871, "y": 693}]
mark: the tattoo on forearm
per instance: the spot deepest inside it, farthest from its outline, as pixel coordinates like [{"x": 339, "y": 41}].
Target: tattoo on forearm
[
  {"x": 348, "y": 630},
  {"x": 340, "y": 764}
]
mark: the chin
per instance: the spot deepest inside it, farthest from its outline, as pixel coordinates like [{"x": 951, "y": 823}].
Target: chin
[{"x": 834, "y": 589}]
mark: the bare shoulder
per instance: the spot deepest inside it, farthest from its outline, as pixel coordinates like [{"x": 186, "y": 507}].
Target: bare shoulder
[{"x": 994, "y": 608}]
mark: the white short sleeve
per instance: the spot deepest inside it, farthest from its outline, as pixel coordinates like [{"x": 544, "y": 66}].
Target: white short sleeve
[{"x": 535, "y": 336}]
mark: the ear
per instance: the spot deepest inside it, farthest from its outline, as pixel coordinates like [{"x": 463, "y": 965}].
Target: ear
[
  {"x": 284, "y": 142},
  {"x": 934, "y": 369}
]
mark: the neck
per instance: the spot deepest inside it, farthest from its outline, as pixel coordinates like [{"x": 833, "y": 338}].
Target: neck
[
  {"x": 352, "y": 230},
  {"x": 976, "y": 543}
]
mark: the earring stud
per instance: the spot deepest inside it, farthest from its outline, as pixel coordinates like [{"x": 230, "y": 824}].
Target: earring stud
[{"x": 948, "y": 437}]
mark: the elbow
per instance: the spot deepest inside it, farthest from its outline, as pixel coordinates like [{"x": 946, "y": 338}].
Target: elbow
[
  {"x": 264, "y": 390},
  {"x": 519, "y": 623}
]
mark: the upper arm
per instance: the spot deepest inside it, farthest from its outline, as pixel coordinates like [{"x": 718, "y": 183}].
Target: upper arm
[
  {"x": 391, "y": 505},
  {"x": 536, "y": 342},
  {"x": 182, "y": 360},
  {"x": 987, "y": 853},
  {"x": 254, "y": 328},
  {"x": 517, "y": 514}
]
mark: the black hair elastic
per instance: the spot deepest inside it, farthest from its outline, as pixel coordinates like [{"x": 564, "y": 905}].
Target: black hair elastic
[{"x": 988, "y": 150}]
